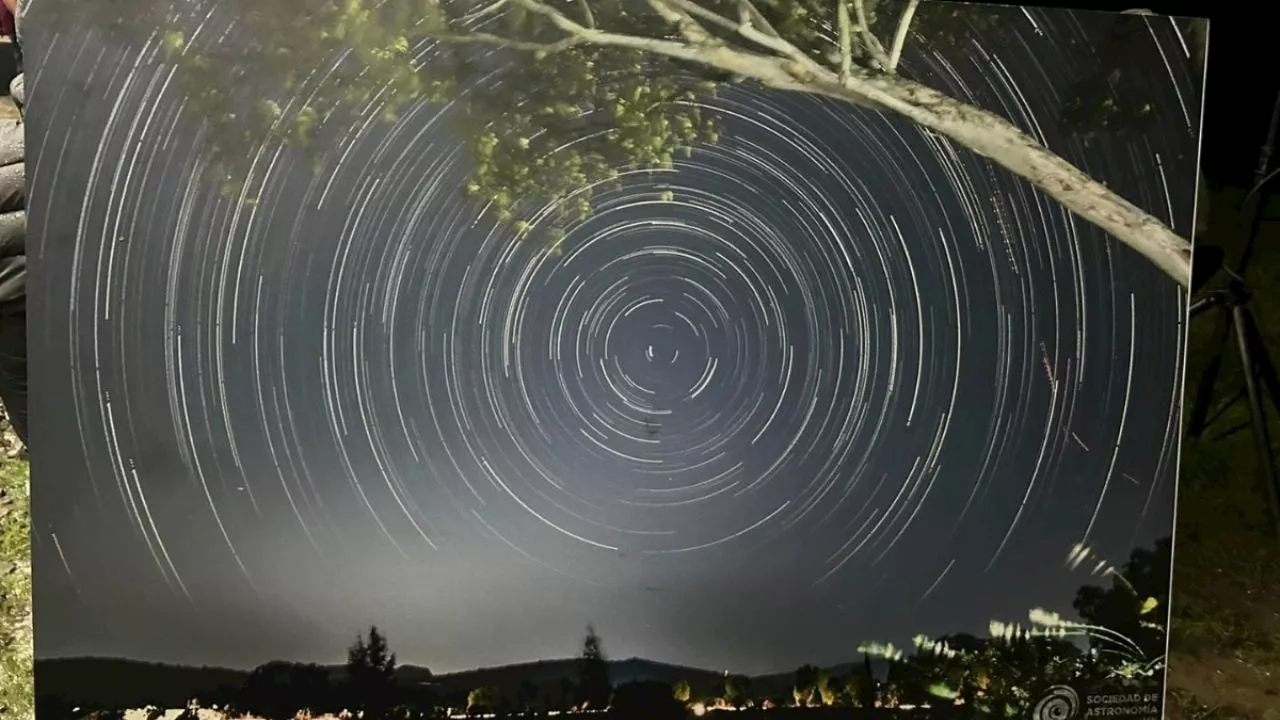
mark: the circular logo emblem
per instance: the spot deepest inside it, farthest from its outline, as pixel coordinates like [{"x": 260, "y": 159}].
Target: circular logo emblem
[{"x": 1061, "y": 703}]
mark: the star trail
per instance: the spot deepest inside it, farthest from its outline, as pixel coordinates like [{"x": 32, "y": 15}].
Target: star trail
[{"x": 832, "y": 379}]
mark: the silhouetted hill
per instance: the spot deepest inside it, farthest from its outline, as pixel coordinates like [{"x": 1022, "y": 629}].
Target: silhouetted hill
[
  {"x": 116, "y": 683},
  {"x": 547, "y": 677}
]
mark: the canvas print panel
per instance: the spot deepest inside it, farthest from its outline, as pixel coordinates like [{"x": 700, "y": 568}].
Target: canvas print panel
[{"x": 655, "y": 358}]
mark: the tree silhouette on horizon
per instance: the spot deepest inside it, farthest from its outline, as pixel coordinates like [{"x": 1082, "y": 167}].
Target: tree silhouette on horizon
[
  {"x": 806, "y": 685},
  {"x": 738, "y": 691},
  {"x": 371, "y": 668},
  {"x": 867, "y": 688},
  {"x": 1141, "y": 585},
  {"x": 1004, "y": 674},
  {"x": 594, "y": 687},
  {"x": 646, "y": 700},
  {"x": 682, "y": 691},
  {"x": 279, "y": 689}
]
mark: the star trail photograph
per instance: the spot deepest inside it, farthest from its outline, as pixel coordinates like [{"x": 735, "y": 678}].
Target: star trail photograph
[{"x": 805, "y": 359}]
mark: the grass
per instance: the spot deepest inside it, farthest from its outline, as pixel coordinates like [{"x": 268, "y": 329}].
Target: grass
[
  {"x": 16, "y": 697},
  {"x": 16, "y": 700}
]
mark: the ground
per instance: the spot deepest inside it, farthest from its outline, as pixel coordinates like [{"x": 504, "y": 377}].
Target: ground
[
  {"x": 15, "y": 590},
  {"x": 15, "y": 557},
  {"x": 1225, "y": 651}
]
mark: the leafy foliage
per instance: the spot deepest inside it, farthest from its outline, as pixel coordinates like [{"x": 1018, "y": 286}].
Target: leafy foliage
[
  {"x": 547, "y": 118},
  {"x": 737, "y": 690},
  {"x": 645, "y": 700},
  {"x": 556, "y": 100},
  {"x": 1004, "y": 674},
  {"x": 1112, "y": 98},
  {"x": 1128, "y": 606},
  {"x": 482, "y": 699},
  {"x": 831, "y": 688},
  {"x": 805, "y": 690}
]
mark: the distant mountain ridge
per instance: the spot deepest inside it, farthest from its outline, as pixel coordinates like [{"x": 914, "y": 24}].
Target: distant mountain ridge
[
  {"x": 540, "y": 672},
  {"x": 119, "y": 682}
]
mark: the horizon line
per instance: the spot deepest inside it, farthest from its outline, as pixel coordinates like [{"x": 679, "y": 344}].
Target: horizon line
[{"x": 434, "y": 674}]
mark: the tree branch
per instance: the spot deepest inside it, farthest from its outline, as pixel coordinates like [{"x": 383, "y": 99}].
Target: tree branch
[
  {"x": 846, "y": 39},
  {"x": 668, "y": 48},
  {"x": 749, "y": 14},
  {"x": 982, "y": 132},
  {"x": 586, "y": 12},
  {"x": 486, "y": 10},
  {"x": 481, "y": 38},
  {"x": 689, "y": 28},
  {"x": 702, "y": 13},
  {"x": 1008, "y": 146},
  {"x": 769, "y": 38},
  {"x": 900, "y": 37},
  {"x": 765, "y": 37},
  {"x": 868, "y": 38}
]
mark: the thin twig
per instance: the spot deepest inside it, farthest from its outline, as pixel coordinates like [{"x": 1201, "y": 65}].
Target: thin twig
[
  {"x": 702, "y": 13},
  {"x": 782, "y": 73},
  {"x": 755, "y": 27},
  {"x": 900, "y": 37},
  {"x": 751, "y": 15},
  {"x": 766, "y": 38},
  {"x": 486, "y": 10},
  {"x": 479, "y": 38},
  {"x": 868, "y": 38},
  {"x": 586, "y": 12},
  {"x": 667, "y": 48},
  {"x": 688, "y": 27},
  {"x": 752, "y": 26},
  {"x": 846, "y": 39},
  {"x": 983, "y": 132}
]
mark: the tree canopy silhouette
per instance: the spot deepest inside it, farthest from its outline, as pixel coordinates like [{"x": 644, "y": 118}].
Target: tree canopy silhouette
[
  {"x": 555, "y": 98},
  {"x": 371, "y": 668},
  {"x": 681, "y": 691},
  {"x": 1136, "y": 603},
  {"x": 646, "y": 700},
  {"x": 805, "y": 688},
  {"x": 737, "y": 690},
  {"x": 278, "y": 690},
  {"x": 482, "y": 700},
  {"x": 594, "y": 688},
  {"x": 1004, "y": 674}
]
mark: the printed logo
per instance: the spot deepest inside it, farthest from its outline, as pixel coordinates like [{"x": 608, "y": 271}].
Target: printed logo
[{"x": 1061, "y": 703}]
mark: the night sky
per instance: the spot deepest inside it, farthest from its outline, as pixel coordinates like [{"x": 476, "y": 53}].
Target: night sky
[{"x": 852, "y": 383}]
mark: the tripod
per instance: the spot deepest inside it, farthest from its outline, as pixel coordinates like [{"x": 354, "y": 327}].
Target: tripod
[{"x": 1259, "y": 370}]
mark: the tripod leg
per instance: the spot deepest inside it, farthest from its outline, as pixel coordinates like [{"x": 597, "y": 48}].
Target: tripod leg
[
  {"x": 1199, "y": 419},
  {"x": 1261, "y": 356},
  {"x": 1258, "y": 417}
]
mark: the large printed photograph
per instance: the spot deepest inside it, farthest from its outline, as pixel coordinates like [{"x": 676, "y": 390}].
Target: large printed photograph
[{"x": 648, "y": 358}]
